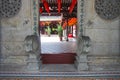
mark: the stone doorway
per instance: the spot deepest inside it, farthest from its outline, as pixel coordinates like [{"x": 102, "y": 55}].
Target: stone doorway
[{"x": 53, "y": 46}]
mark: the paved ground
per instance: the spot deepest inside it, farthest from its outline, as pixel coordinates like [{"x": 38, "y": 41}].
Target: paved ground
[
  {"x": 58, "y": 68},
  {"x": 43, "y": 68},
  {"x": 52, "y": 45}
]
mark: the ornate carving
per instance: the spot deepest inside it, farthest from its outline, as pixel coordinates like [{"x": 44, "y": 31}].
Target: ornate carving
[
  {"x": 107, "y": 9},
  {"x": 32, "y": 44},
  {"x": 82, "y": 14},
  {"x": 9, "y": 8},
  {"x": 84, "y": 44}
]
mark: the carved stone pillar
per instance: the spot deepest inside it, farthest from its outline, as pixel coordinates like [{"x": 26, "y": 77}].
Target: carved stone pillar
[
  {"x": 83, "y": 49},
  {"x": 32, "y": 47},
  {"x": 83, "y": 42}
]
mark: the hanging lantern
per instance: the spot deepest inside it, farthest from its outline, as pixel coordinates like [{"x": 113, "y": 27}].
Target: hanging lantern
[
  {"x": 45, "y": 3},
  {"x": 72, "y": 5},
  {"x": 59, "y": 5},
  {"x": 71, "y": 21},
  {"x": 40, "y": 10}
]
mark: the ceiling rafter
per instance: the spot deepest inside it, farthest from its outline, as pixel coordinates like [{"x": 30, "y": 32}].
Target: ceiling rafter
[{"x": 64, "y": 7}]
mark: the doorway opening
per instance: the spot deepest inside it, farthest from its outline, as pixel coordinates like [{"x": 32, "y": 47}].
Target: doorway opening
[{"x": 54, "y": 50}]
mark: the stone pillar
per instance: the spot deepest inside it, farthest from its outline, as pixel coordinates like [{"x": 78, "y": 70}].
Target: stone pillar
[
  {"x": 33, "y": 62},
  {"x": 0, "y": 35},
  {"x": 82, "y": 40},
  {"x": 32, "y": 47},
  {"x": 0, "y": 41},
  {"x": 83, "y": 50}
]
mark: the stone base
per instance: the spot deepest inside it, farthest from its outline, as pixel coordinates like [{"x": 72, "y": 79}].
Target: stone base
[
  {"x": 33, "y": 66},
  {"x": 81, "y": 66},
  {"x": 33, "y": 62},
  {"x": 81, "y": 62},
  {"x": 81, "y": 58}
]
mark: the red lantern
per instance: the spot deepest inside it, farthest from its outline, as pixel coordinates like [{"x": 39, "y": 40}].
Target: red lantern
[
  {"x": 72, "y": 5},
  {"x": 71, "y": 22},
  {"x": 46, "y": 5},
  {"x": 59, "y": 5}
]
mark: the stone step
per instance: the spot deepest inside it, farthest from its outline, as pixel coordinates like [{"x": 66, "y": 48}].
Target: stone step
[{"x": 63, "y": 58}]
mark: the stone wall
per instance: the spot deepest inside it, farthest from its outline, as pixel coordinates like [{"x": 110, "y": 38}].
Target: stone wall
[
  {"x": 104, "y": 34},
  {"x": 15, "y": 29},
  {"x": 101, "y": 52},
  {"x": 18, "y": 39}
]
